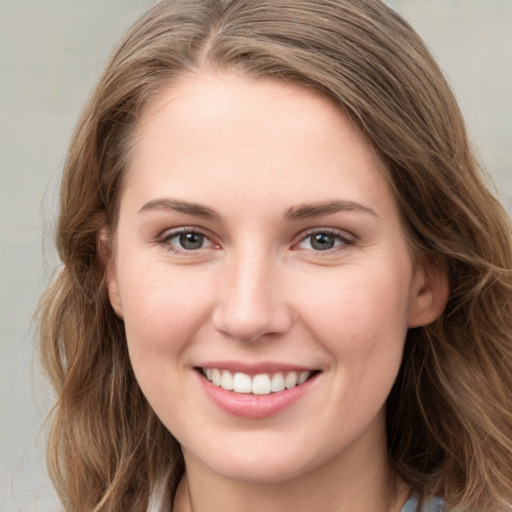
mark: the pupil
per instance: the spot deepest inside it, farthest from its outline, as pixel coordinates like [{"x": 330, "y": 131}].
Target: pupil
[
  {"x": 322, "y": 242},
  {"x": 191, "y": 241}
]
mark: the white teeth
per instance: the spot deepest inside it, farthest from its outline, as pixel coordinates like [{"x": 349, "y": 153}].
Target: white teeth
[
  {"x": 277, "y": 382},
  {"x": 303, "y": 377},
  {"x": 216, "y": 377},
  {"x": 291, "y": 380},
  {"x": 226, "y": 380},
  {"x": 242, "y": 383},
  {"x": 261, "y": 384}
]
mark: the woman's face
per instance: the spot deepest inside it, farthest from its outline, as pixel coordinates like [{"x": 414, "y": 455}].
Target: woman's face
[{"x": 259, "y": 247}]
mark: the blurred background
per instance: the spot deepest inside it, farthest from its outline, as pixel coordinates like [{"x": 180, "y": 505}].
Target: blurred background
[{"x": 51, "y": 53}]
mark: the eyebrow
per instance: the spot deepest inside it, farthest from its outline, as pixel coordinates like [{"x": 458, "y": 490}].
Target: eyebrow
[
  {"x": 298, "y": 212},
  {"x": 305, "y": 210},
  {"x": 181, "y": 206}
]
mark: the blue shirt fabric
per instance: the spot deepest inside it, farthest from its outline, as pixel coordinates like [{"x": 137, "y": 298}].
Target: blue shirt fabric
[{"x": 432, "y": 505}]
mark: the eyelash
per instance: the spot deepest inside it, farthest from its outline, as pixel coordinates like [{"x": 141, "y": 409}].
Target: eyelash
[
  {"x": 165, "y": 240},
  {"x": 340, "y": 240}
]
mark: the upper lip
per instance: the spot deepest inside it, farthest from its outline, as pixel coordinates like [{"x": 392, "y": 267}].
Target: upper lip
[{"x": 255, "y": 368}]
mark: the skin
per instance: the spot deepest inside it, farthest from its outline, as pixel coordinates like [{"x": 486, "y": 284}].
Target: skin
[{"x": 252, "y": 153}]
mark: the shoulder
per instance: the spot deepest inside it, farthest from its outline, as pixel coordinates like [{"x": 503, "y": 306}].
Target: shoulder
[{"x": 431, "y": 505}]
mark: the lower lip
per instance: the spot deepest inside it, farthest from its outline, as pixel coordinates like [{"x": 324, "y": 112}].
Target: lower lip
[{"x": 247, "y": 405}]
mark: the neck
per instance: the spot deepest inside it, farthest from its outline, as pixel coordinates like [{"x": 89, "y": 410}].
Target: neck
[{"x": 348, "y": 485}]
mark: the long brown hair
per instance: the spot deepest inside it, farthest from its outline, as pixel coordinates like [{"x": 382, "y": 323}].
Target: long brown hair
[{"x": 449, "y": 415}]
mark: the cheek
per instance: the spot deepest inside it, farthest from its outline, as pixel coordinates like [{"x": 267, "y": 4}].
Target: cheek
[
  {"x": 361, "y": 321},
  {"x": 162, "y": 313},
  {"x": 358, "y": 310}
]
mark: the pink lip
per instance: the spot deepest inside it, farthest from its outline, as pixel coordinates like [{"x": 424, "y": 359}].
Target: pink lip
[{"x": 254, "y": 406}]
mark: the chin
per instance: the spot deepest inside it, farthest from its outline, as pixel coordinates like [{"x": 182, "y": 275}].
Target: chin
[
  {"x": 267, "y": 463},
  {"x": 268, "y": 472}
]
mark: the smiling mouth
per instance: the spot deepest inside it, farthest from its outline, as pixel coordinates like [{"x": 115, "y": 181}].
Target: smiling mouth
[{"x": 260, "y": 384}]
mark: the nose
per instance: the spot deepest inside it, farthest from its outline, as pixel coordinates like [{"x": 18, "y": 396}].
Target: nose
[{"x": 252, "y": 301}]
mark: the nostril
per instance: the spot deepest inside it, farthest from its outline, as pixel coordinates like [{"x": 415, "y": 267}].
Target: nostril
[
  {"x": 250, "y": 299},
  {"x": 248, "y": 322}
]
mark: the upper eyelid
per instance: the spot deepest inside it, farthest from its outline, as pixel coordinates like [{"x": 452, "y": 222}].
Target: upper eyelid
[
  {"x": 341, "y": 233},
  {"x": 170, "y": 233}
]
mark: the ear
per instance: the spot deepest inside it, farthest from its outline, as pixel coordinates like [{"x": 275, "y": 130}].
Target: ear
[
  {"x": 107, "y": 259},
  {"x": 430, "y": 291}
]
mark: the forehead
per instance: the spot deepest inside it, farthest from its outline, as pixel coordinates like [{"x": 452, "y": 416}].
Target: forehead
[
  {"x": 215, "y": 104},
  {"x": 220, "y": 132}
]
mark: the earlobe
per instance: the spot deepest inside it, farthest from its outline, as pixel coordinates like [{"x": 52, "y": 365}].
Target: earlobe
[
  {"x": 430, "y": 293},
  {"x": 107, "y": 260}
]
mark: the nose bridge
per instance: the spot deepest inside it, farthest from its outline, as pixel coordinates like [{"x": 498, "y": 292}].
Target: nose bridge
[{"x": 251, "y": 301}]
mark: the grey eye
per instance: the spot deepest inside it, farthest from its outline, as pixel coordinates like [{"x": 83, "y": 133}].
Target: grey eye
[
  {"x": 319, "y": 241},
  {"x": 186, "y": 240},
  {"x": 191, "y": 241},
  {"x": 322, "y": 241}
]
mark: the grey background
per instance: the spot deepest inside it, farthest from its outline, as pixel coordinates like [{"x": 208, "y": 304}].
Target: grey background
[{"x": 51, "y": 52}]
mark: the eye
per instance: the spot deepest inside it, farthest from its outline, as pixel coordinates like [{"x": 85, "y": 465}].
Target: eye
[
  {"x": 186, "y": 240},
  {"x": 324, "y": 240}
]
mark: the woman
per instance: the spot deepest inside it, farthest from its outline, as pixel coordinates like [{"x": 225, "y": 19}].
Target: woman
[{"x": 285, "y": 283}]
